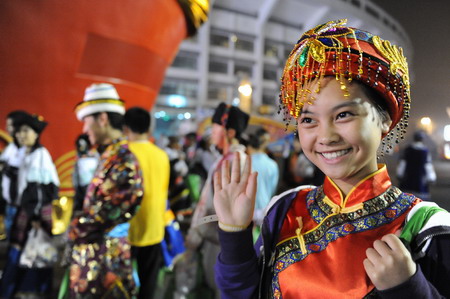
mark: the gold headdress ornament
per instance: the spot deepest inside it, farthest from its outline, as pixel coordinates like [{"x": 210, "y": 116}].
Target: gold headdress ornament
[{"x": 332, "y": 49}]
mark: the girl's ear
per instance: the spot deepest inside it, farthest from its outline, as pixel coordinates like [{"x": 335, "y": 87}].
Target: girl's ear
[{"x": 386, "y": 124}]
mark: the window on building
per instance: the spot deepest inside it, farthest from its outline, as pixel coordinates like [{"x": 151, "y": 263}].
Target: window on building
[
  {"x": 243, "y": 68},
  {"x": 270, "y": 49},
  {"x": 287, "y": 51},
  {"x": 217, "y": 92},
  {"x": 185, "y": 60},
  {"x": 270, "y": 97},
  {"x": 220, "y": 39},
  {"x": 356, "y": 3},
  {"x": 244, "y": 43},
  {"x": 270, "y": 73},
  {"x": 179, "y": 87},
  {"x": 217, "y": 65},
  {"x": 372, "y": 12}
]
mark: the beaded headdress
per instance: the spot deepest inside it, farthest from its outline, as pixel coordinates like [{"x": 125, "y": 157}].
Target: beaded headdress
[{"x": 346, "y": 53}]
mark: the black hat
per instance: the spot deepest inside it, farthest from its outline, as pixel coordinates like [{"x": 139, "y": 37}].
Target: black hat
[
  {"x": 16, "y": 115},
  {"x": 231, "y": 117},
  {"x": 34, "y": 121}
]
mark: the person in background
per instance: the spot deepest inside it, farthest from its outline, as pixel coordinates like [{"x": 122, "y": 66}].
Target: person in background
[
  {"x": 178, "y": 190},
  {"x": 100, "y": 260},
  {"x": 147, "y": 227},
  {"x": 415, "y": 170},
  {"x": 190, "y": 145},
  {"x": 84, "y": 169},
  {"x": 356, "y": 235},
  {"x": 10, "y": 161},
  {"x": 37, "y": 187},
  {"x": 228, "y": 123},
  {"x": 267, "y": 169}
]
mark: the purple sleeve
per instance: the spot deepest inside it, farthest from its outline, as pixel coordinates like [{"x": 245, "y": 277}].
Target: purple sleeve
[
  {"x": 236, "y": 270},
  {"x": 431, "y": 279},
  {"x": 416, "y": 287}
]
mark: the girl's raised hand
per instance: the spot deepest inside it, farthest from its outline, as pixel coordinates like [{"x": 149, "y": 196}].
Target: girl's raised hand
[{"x": 234, "y": 196}]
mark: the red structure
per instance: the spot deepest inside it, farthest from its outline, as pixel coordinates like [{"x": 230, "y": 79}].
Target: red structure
[{"x": 52, "y": 50}]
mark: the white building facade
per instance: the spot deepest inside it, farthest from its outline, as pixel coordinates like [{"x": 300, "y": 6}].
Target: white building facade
[{"x": 249, "y": 41}]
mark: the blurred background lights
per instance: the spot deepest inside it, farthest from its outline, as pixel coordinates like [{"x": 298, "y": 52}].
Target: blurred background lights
[
  {"x": 426, "y": 121},
  {"x": 245, "y": 90},
  {"x": 160, "y": 114},
  {"x": 447, "y": 133},
  {"x": 176, "y": 100}
]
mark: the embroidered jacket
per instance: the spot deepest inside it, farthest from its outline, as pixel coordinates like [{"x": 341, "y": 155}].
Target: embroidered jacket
[
  {"x": 321, "y": 253},
  {"x": 100, "y": 264}
]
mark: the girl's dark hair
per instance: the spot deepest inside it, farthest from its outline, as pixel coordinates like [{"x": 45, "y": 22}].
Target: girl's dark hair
[{"x": 377, "y": 100}]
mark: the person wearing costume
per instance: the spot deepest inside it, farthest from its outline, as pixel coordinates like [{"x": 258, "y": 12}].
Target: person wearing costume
[
  {"x": 357, "y": 235},
  {"x": 100, "y": 263},
  {"x": 37, "y": 187},
  {"x": 10, "y": 160}
]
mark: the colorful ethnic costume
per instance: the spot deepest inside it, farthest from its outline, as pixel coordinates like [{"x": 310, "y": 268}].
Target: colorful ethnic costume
[
  {"x": 314, "y": 243},
  {"x": 100, "y": 264},
  {"x": 313, "y": 239}
]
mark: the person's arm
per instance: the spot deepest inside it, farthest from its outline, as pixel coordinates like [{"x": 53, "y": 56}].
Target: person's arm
[
  {"x": 236, "y": 270},
  {"x": 117, "y": 199},
  {"x": 237, "y": 274}
]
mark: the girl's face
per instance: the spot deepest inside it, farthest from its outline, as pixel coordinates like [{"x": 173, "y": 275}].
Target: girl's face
[
  {"x": 26, "y": 136},
  {"x": 341, "y": 135}
]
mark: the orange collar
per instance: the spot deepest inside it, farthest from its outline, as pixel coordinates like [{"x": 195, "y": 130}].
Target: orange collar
[{"x": 369, "y": 187}]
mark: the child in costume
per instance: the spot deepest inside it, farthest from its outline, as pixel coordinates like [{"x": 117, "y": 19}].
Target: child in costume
[
  {"x": 357, "y": 235},
  {"x": 38, "y": 186}
]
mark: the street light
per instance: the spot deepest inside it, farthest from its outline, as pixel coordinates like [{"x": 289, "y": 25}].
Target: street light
[
  {"x": 245, "y": 89},
  {"x": 245, "y": 95},
  {"x": 426, "y": 124},
  {"x": 425, "y": 121}
]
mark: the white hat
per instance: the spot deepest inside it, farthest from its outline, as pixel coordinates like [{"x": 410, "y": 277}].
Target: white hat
[{"x": 100, "y": 97}]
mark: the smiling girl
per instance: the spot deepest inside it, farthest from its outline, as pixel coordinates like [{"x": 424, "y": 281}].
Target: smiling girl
[{"x": 357, "y": 235}]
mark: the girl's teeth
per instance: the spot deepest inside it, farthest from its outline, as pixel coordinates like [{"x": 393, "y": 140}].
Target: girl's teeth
[{"x": 334, "y": 155}]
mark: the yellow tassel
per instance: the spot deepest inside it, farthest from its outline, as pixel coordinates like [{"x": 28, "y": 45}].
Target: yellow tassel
[{"x": 300, "y": 238}]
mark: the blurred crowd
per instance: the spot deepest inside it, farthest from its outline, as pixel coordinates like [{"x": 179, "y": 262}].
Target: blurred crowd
[{"x": 139, "y": 204}]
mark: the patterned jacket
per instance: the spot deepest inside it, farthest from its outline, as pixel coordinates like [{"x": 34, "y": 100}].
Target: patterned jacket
[{"x": 100, "y": 264}]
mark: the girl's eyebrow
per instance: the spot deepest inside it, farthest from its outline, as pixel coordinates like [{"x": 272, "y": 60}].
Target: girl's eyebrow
[
  {"x": 350, "y": 103},
  {"x": 304, "y": 111}
]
